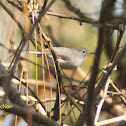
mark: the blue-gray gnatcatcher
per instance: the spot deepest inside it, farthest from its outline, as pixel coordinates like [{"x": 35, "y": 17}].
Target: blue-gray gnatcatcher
[{"x": 68, "y": 58}]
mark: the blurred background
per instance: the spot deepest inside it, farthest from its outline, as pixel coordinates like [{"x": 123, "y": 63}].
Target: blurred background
[{"x": 66, "y": 33}]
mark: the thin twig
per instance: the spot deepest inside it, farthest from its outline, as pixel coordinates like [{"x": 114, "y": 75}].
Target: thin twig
[
  {"x": 111, "y": 121},
  {"x": 42, "y": 13},
  {"x": 116, "y": 89},
  {"x": 106, "y": 75},
  {"x": 119, "y": 37},
  {"x": 89, "y": 21},
  {"x": 15, "y": 5},
  {"x": 102, "y": 101}
]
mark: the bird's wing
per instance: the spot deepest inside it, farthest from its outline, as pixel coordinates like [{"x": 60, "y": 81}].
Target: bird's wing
[{"x": 62, "y": 54}]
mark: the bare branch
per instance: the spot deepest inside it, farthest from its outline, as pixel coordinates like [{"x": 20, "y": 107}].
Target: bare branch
[{"x": 105, "y": 76}]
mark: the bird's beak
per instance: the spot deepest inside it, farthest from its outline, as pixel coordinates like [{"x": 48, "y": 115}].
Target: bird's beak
[{"x": 92, "y": 52}]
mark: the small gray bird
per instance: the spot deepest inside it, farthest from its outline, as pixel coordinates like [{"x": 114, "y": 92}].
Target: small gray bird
[{"x": 68, "y": 58}]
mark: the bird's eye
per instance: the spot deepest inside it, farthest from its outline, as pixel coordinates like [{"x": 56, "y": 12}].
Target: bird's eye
[{"x": 83, "y": 51}]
